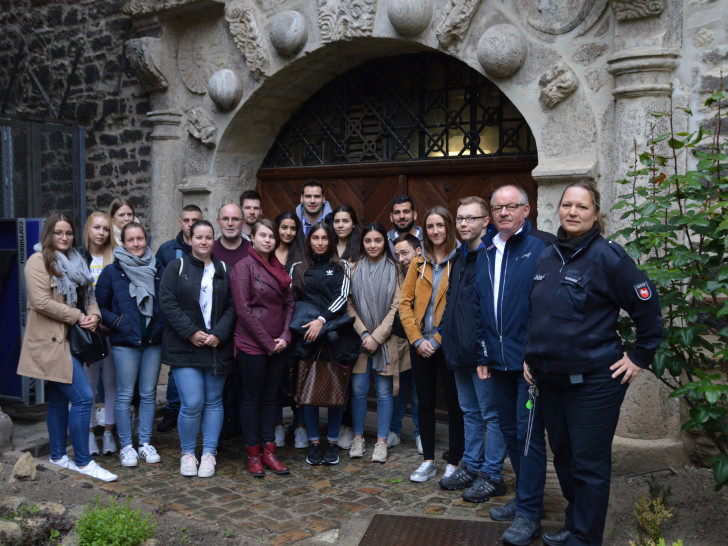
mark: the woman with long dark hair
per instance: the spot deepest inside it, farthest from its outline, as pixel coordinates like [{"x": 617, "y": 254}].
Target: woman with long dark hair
[
  {"x": 60, "y": 294},
  {"x": 376, "y": 285},
  {"x": 121, "y": 212},
  {"x": 290, "y": 238},
  {"x": 321, "y": 283},
  {"x": 420, "y": 308}
]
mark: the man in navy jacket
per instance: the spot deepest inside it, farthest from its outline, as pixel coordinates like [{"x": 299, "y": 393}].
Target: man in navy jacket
[{"x": 504, "y": 272}]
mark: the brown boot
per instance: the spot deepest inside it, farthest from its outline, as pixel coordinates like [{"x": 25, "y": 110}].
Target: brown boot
[
  {"x": 271, "y": 461},
  {"x": 255, "y": 466}
]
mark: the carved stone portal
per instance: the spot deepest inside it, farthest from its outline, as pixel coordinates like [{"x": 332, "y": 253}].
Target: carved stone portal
[
  {"x": 201, "y": 127},
  {"x": 410, "y": 17},
  {"x": 248, "y": 38},
  {"x": 502, "y": 50},
  {"x": 342, "y": 21},
  {"x": 450, "y": 32},
  {"x": 558, "y": 83},
  {"x": 202, "y": 51},
  {"x": 626, "y": 10},
  {"x": 143, "y": 56}
]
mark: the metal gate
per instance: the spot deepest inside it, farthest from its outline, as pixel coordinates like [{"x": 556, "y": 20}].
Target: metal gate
[{"x": 43, "y": 169}]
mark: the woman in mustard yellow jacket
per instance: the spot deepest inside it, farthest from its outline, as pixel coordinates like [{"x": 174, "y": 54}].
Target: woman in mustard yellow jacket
[{"x": 420, "y": 309}]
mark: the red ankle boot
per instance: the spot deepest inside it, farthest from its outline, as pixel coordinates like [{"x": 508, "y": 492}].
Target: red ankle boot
[
  {"x": 271, "y": 461},
  {"x": 255, "y": 466}
]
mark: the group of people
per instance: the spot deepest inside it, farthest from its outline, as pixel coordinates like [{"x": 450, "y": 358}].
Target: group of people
[{"x": 518, "y": 325}]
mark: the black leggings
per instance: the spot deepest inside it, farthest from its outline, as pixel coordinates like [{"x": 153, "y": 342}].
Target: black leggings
[
  {"x": 260, "y": 375},
  {"x": 425, "y": 371}
]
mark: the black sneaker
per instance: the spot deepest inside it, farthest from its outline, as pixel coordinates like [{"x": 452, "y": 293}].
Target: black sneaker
[
  {"x": 169, "y": 421},
  {"x": 314, "y": 457},
  {"x": 462, "y": 478},
  {"x": 331, "y": 457},
  {"x": 483, "y": 489}
]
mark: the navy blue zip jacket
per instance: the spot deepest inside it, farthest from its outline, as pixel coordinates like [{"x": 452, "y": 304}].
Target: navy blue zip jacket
[
  {"x": 458, "y": 326},
  {"x": 119, "y": 311},
  {"x": 173, "y": 249},
  {"x": 575, "y": 304},
  {"x": 501, "y": 341}
]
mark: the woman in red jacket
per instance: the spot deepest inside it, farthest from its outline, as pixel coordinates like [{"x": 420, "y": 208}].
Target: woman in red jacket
[{"x": 264, "y": 305}]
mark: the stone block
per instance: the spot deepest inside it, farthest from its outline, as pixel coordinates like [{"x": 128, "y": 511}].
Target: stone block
[
  {"x": 24, "y": 469},
  {"x": 11, "y": 529},
  {"x": 6, "y": 432}
]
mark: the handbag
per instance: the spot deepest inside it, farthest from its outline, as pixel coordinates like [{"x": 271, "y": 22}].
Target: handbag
[
  {"x": 322, "y": 382},
  {"x": 86, "y": 345}
]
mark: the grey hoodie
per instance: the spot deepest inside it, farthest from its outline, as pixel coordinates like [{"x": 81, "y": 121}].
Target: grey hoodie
[{"x": 428, "y": 321}]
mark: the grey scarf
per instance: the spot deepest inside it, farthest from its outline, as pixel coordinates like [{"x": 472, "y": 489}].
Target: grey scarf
[
  {"x": 373, "y": 292},
  {"x": 75, "y": 274},
  {"x": 141, "y": 273}
]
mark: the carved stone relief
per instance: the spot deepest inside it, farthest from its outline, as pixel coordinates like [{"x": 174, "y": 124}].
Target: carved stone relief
[
  {"x": 457, "y": 19},
  {"x": 502, "y": 50},
  {"x": 339, "y": 20},
  {"x": 135, "y": 8},
  {"x": 248, "y": 38},
  {"x": 626, "y": 10},
  {"x": 558, "y": 83},
  {"x": 143, "y": 56},
  {"x": 562, "y": 16},
  {"x": 201, "y": 52},
  {"x": 225, "y": 89},
  {"x": 288, "y": 32},
  {"x": 410, "y": 17},
  {"x": 201, "y": 127}
]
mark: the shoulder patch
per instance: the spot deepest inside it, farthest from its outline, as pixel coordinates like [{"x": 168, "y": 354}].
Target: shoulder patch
[{"x": 643, "y": 290}]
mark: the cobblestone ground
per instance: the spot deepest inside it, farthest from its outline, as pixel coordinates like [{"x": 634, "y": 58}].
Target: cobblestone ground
[{"x": 325, "y": 504}]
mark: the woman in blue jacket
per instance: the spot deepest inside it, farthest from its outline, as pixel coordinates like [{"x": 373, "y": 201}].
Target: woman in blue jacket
[
  {"x": 198, "y": 344},
  {"x": 128, "y": 295},
  {"x": 574, "y": 355}
]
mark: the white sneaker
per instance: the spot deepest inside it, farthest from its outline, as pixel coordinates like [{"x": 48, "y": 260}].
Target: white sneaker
[
  {"x": 418, "y": 443},
  {"x": 64, "y": 462},
  {"x": 301, "y": 438},
  {"x": 101, "y": 417},
  {"x": 149, "y": 454},
  {"x": 449, "y": 471},
  {"x": 393, "y": 439},
  {"x": 280, "y": 433},
  {"x": 357, "y": 448},
  {"x": 95, "y": 471},
  {"x": 346, "y": 437},
  {"x": 93, "y": 446},
  {"x": 128, "y": 456},
  {"x": 207, "y": 466},
  {"x": 425, "y": 471},
  {"x": 109, "y": 444},
  {"x": 188, "y": 465},
  {"x": 380, "y": 452}
]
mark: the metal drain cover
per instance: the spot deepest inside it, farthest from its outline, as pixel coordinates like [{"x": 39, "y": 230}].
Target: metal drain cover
[{"x": 418, "y": 531}]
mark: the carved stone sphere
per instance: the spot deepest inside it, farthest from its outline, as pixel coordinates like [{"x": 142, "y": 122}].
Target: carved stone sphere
[
  {"x": 410, "y": 17},
  {"x": 225, "y": 89},
  {"x": 288, "y": 32},
  {"x": 502, "y": 50}
]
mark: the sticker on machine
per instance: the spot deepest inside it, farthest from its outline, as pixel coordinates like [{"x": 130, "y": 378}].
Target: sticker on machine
[{"x": 643, "y": 291}]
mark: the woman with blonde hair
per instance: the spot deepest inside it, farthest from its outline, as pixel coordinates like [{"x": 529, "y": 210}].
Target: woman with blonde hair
[{"x": 121, "y": 212}]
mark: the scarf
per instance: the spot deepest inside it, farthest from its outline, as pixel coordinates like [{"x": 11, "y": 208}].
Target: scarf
[
  {"x": 75, "y": 277},
  {"x": 141, "y": 273},
  {"x": 373, "y": 293},
  {"x": 569, "y": 244},
  {"x": 274, "y": 267}
]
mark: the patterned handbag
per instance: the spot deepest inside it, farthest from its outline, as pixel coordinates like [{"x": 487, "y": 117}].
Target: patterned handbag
[{"x": 322, "y": 382}]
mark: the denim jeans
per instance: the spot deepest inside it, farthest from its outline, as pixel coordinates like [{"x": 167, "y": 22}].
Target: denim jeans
[
  {"x": 511, "y": 396},
  {"x": 173, "y": 401},
  {"x": 360, "y": 388},
  {"x": 134, "y": 363},
  {"x": 108, "y": 378},
  {"x": 311, "y": 418},
  {"x": 201, "y": 402},
  {"x": 60, "y": 419},
  {"x": 581, "y": 420},
  {"x": 406, "y": 382},
  {"x": 259, "y": 404},
  {"x": 485, "y": 447}
]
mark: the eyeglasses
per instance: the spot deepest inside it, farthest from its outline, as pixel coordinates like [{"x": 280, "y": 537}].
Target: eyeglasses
[
  {"x": 510, "y": 207},
  {"x": 62, "y": 234},
  {"x": 467, "y": 219}
]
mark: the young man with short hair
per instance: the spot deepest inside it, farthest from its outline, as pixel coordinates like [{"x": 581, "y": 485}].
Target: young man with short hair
[
  {"x": 314, "y": 207},
  {"x": 252, "y": 209},
  {"x": 403, "y": 217}
]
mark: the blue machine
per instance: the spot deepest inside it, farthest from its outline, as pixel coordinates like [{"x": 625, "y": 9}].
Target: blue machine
[{"x": 17, "y": 238}]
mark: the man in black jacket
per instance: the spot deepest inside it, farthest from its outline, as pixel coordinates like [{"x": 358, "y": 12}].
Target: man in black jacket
[{"x": 482, "y": 464}]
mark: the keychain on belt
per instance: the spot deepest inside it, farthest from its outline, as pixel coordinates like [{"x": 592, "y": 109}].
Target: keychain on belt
[{"x": 531, "y": 406}]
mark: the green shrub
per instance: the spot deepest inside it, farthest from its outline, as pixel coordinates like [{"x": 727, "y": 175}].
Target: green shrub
[{"x": 115, "y": 523}]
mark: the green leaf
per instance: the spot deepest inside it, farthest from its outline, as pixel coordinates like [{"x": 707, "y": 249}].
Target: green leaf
[
  {"x": 720, "y": 472},
  {"x": 675, "y": 144}
]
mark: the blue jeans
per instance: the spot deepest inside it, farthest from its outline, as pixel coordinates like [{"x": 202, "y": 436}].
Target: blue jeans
[
  {"x": 360, "y": 388},
  {"x": 485, "y": 447},
  {"x": 173, "y": 400},
  {"x": 406, "y": 382},
  {"x": 201, "y": 397},
  {"x": 132, "y": 363},
  {"x": 311, "y": 418},
  {"x": 511, "y": 395},
  {"x": 60, "y": 419},
  {"x": 581, "y": 420}
]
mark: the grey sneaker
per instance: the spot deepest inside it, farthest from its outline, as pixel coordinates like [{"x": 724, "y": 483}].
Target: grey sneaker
[
  {"x": 380, "y": 452},
  {"x": 346, "y": 437},
  {"x": 357, "y": 448},
  {"x": 109, "y": 443},
  {"x": 507, "y": 512},
  {"x": 418, "y": 443},
  {"x": 393, "y": 439},
  {"x": 462, "y": 478},
  {"x": 522, "y": 531},
  {"x": 483, "y": 489},
  {"x": 425, "y": 471},
  {"x": 280, "y": 436}
]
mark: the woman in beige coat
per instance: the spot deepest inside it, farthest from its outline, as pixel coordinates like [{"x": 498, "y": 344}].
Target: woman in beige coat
[
  {"x": 61, "y": 293},
  {"x": 376, "y": 284}
]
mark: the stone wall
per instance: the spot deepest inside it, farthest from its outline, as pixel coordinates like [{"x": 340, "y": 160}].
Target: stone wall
[{"x": 103, "y": 95}]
